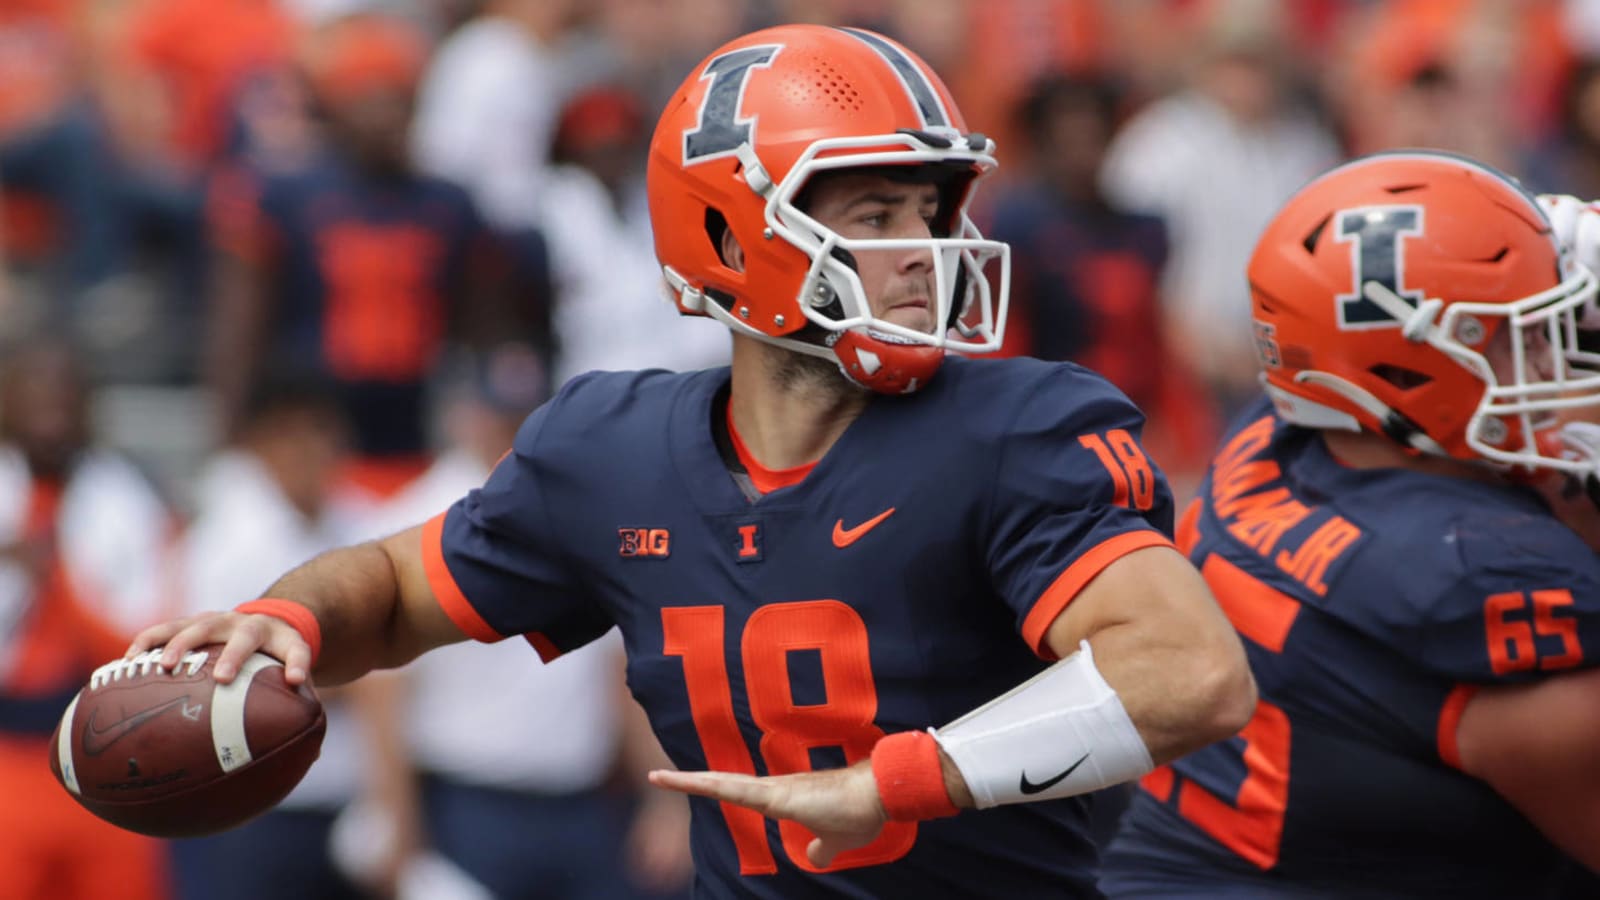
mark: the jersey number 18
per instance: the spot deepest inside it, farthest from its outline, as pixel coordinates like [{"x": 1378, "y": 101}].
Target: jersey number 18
[{"x": 789, "y": 731}]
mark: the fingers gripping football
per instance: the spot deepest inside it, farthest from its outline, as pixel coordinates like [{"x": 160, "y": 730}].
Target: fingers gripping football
[{"x": 241, "y": 634}]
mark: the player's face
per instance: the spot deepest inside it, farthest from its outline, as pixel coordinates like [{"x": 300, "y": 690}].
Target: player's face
[
  {"x": 374, "y": 126},
  {"x": 899, "y": 283},
  {"x": 1538, "y": 361}
]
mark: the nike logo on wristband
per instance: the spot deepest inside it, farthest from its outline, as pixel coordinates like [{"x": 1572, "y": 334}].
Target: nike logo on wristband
[{"x": 1027, "y": 787}]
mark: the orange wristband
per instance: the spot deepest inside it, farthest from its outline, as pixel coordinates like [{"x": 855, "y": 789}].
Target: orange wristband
[
  {"x": 910, "y": 778},
  {"x": 294, "y": 613}
]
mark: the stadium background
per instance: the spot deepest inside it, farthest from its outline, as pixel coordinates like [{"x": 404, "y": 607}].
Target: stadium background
[{"x": 1143, "y": 143}]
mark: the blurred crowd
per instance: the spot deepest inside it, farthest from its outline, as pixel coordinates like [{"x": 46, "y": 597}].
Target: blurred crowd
[{"x": 371, "y": 236}]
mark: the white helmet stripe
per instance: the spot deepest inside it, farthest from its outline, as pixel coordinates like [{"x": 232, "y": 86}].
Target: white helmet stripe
[{"x": 922, "y": 92}]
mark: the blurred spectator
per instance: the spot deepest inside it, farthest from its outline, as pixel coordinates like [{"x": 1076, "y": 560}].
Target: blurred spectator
[
  {"x": 651, "y": 43},
  {"x": 71, "y": 215},
  {"x": 1435, "y": 109},
  {"x": 488, "y": 105},
  {"x": 357, "y": 266},
  {"x": 1505, "y": 61},
  {"x": 1085, "y": 274},
  {"x": 1569, "y": 163},
  {"x": 523, "y": 809},
  {"x": 83, "y": 549},
  {"x": 62, "y": 219},
  {"x": 1215, "y": 161},
  {"x": 182, "y": 65},
  {"x": 1084, "y": 271},
  {"x": 262, "y": 506},
  {"x": 996, "y": 51},
  {"x": 610, "y": 312}
]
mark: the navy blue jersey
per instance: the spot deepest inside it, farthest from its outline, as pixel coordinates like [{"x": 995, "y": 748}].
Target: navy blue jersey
[
  {"x": 884, "y": 592},
  {"x": 1373, "y": 603},
  {"x": 365, "y": 275}
]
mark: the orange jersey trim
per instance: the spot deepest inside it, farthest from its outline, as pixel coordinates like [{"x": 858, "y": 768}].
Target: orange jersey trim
[
  {"x": 1259, "y": 611},
  {"x": 454, "y": 603},
  {"x": 545, "y": 647},
  {"x": 1450, "y": 720},
  {"x": 1082, "y": 571},
  {"x": 1188, "y": 532},
  {"x": 766, "y": 480},
  {"x": 1159, "y": 782}
]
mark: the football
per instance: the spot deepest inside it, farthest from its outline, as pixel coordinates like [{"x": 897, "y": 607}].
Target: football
[{"x": 175, "y": 754}]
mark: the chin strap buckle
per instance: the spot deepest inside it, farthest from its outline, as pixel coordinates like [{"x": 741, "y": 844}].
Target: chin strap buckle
[{"x": 677, "y": 290}]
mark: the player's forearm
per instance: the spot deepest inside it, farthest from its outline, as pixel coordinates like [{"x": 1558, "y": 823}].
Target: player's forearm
[
  {"x": 1164, "y": 646},
  {"x": 354, "y": 593},
  {"x": 1181, "y": 696}
]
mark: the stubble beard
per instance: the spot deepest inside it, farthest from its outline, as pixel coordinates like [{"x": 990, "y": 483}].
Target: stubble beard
[{"x": 802, "y": 372}]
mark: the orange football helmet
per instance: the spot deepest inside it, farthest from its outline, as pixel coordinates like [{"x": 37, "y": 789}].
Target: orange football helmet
[
  {"x": 1423, "y": 296},
  {"x": 737, "y": 144}
]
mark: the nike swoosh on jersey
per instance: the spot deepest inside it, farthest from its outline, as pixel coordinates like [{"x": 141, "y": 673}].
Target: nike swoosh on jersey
[
  {"x": 96, "y": 740},
  {"x": 1028, "y": 787},
  {"x": 844, "y": 537}
]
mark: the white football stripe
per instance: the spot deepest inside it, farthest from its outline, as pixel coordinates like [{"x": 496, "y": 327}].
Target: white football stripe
[
  {"x": 69, "y": 775},
  {"x": 227, "y": 713}
]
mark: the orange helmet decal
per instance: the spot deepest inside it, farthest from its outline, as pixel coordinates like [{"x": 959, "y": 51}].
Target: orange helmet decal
[
  {"x": 1423, "y": 296},
  {"x": 731, "y": 156}
]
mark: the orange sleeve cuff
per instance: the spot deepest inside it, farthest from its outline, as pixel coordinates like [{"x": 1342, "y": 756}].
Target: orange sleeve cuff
[
  {"x": 1082, "y": 571},
  {"x": 445, "y": 590},
  {"x": 1450, "y": 720}
]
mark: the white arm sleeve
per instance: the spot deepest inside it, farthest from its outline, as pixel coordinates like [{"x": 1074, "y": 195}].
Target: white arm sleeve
[{"x": 1060, "y": 733}]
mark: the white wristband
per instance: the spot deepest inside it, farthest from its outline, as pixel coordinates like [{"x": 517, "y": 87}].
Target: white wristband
[{"x": 1060, "y": 733}]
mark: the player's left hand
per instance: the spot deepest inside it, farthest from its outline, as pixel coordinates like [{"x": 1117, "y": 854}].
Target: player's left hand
[{"x": 840, "y": 806}]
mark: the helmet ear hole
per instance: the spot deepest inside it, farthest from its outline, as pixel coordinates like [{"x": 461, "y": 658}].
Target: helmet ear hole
[
  {"x": 1401, "y": 377},
  {"x": 716, "y": 226}
]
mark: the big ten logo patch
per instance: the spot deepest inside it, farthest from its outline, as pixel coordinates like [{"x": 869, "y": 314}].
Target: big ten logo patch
[{"x": 656, "y": 542}]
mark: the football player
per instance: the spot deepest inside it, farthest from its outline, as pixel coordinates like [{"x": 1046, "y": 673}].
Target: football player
[
  {"x": 843, "y": 540},
  {"x": 1423, "y": 629}
]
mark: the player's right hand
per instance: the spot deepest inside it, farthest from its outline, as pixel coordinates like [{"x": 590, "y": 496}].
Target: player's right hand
[
  {"x": 840, "y": 806},
  {"x": 241, "y": 634}
]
